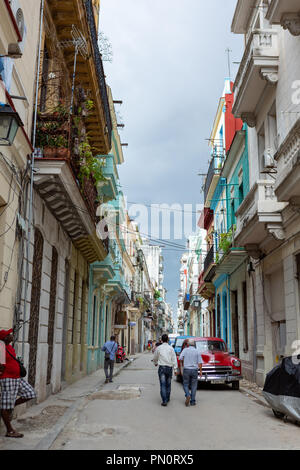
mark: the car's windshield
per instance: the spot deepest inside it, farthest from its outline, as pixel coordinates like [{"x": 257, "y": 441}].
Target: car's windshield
[
  {"x": 210, "y": 345},
  {"x": 179, "y": 342}
]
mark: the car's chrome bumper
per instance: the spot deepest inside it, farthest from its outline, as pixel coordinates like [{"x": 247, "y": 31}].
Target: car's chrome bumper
[{"x": 219, "y": 378}]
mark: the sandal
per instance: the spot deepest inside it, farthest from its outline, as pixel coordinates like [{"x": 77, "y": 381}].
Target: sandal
[{"x": 14, "y": 434}]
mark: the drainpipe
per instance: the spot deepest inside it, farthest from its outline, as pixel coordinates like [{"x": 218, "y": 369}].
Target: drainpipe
[{"x": 31, "y": 178}]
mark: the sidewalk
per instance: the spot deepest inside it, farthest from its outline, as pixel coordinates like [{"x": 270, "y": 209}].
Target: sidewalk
[
  {"x": 254, "y": 391},
  {"x": 42, "y": 423}
]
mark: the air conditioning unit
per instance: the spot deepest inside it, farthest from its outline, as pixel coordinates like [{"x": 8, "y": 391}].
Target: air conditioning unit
[
  {"x": 268, "y": 159},
  {"x": 16, "y": 49}
]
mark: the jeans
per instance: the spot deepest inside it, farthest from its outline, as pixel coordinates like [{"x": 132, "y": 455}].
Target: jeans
[
  {"x": 190, "y": 382},
  {"x": 165, "y": 378},
  {"x": 109, "y": 363}
]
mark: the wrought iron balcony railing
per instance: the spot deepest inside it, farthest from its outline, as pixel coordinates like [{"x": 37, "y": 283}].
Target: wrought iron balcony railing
[
  {"x": 99, "y": 65},
  {"x": 215, "y": 168},
  {"x": 210, "y": 258}
]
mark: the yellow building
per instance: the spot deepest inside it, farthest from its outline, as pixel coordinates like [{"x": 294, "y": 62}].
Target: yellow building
[{"x": 19, "y": 42}]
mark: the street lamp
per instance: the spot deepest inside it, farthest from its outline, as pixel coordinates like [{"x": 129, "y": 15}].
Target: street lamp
[{"x": 9, "y": 124}]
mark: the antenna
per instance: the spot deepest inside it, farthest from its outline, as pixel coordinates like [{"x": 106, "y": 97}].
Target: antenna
[
  {"x": 228, "y": 59},
  {"x": 78, "y": 41}
]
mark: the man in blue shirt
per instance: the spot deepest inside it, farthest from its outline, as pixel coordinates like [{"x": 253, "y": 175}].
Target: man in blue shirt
[
  {"x": 191, "y": 360},
  {"x": 110, "y": 348}
]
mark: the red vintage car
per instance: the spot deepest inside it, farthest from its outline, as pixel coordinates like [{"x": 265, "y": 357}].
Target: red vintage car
[{"x": 219, "y": 366}]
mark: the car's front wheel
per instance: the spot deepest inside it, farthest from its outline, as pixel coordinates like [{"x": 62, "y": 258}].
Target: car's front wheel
[{"x": 236, "y": 385}]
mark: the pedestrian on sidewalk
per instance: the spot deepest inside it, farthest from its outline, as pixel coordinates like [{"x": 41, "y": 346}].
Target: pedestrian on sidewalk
[
  {"x": 190, "y": 361},
  {"x": 12, "y": 385},
  {"x": 165, "y": 358},
  {"x": 110, "y": 348}
]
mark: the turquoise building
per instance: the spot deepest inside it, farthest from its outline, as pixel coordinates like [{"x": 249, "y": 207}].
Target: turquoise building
[{"x": 232, "y": 188}]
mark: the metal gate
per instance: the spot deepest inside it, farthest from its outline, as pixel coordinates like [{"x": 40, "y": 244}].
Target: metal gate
[
  {"x": 52, "y": 311},
  {"x": 35, "y": 304}
]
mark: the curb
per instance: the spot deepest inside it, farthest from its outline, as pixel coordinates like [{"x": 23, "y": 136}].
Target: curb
[
  {"x": 46, "y": 442},
  {"x": 254, "y": 395}
]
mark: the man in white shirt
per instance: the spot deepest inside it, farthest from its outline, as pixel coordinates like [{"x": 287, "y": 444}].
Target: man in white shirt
[
  {"x": 165, "y": 358},
  {"x": 191, "y": 360}
]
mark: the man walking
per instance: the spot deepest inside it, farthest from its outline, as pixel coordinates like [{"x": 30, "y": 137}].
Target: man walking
[
  {"x": 190, "y": 360},
  {"x": 165, "y": 358},
  {"x": 110, "y": 348},
  {"x": 12, "y": 385}
]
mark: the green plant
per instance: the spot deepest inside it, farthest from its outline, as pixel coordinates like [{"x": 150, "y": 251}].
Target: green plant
[
  {"x": 89, "y": 165},
  {"x": 89, "y": 105},
  {"x": 61, "y": 110},
  {"x": 61, "y": 141},
  {"x": 226, "y": 240},
  {"x": 156, "y": 294}
]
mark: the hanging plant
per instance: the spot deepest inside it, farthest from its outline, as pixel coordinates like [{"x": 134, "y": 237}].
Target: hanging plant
[
  {"x": 89, "y": 165},
  {"x": 156, "y": 295}
]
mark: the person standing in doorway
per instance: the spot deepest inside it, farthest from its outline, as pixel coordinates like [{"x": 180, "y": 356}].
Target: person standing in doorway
[
  {"x": 165, "y": 358},
  {"x": 190, "y": 361},
  {"x": 110, "y": 348},
  {"x": 12, "y": 385}
]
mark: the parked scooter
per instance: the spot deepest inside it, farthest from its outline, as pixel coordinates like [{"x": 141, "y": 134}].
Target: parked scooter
[
  {"x": 120, "y": 354},
  {"x": 282, "y": 389}
]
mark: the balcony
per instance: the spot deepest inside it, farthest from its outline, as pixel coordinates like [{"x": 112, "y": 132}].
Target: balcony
[
  {"x": 258, "y": 68},
  {"x": 65, "y": 180},
  {"x": 287, "y": 186},
  {"x": 89, "y": 72},
  {"x": 231, "y": 260},
  {"x": 286, "y": 13},
  {"x": 209, "y": 265},
  {"x": 206, "y": 218},
  {"x": 259, "y": 217},
  {"x": 109, "y": 189},
  {"x": 118, "y": 288},
  {"x": 205, "y": 289},
  {"x": 212, "y": 177},
  {"x": 72, "y": 206},
  {"x": 186, "y": 301}
]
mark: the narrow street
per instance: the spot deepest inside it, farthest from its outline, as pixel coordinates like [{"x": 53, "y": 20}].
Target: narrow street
[{"x": 127, "y": 415}]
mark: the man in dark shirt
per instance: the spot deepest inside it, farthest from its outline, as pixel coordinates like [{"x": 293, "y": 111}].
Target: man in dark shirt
[
  {"x": 110, "y": 348},
  {"x": 11, "y": 384}
]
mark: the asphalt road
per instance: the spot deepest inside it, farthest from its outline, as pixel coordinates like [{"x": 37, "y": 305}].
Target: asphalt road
[{"x": 127, "y": 415}]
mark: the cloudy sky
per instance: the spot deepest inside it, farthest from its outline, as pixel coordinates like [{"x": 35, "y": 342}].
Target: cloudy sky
[{"x": 169, "y": 66}]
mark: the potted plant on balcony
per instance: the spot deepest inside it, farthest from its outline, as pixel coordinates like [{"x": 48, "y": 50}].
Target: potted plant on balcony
[
  {"x": 61, "y": 144},
  {"x": 48, "y": 146},
  {"x": 60, "y": 110}
]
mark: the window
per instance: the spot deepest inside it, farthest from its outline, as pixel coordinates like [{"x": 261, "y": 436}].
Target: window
[
  {"x": 210, "y": 345},
  {"x": 241, "y": 192},
  {"x": 232, "y": 215}
]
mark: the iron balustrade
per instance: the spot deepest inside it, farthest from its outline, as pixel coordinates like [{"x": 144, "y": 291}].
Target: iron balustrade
[
  {"x": 215, "y": 168},
  {"x": 99, "y": 65},
  {"x": 210, "y": 259}
]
